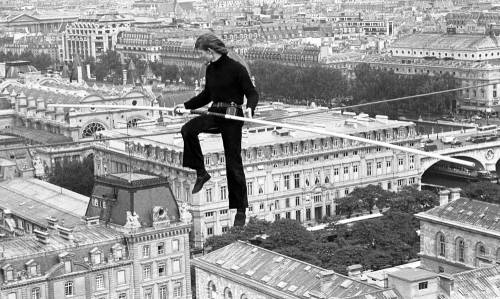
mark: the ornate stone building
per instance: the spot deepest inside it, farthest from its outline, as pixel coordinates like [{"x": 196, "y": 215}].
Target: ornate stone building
[
  {"x": 30, "y": 117},
  {"x": 130, "y": 240},
  {"x": 93, "y": 35},
  {"x": 290, "y": 174},
  {"x": 459, "y": 235}
]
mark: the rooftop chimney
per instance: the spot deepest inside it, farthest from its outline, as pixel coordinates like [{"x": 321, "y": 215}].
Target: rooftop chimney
[
  {"x": 52, "y": 221},
  {"x": 41, "y": 236},
  {"x": 91, "y": 221},
  {"x": 444, "y": 196},
  {"x": 454, "y": 194},
  {"x": 65, "y": 233}
]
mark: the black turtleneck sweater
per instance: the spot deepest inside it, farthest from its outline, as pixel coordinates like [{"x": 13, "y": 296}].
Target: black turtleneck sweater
[{"x": 226, "y": 81}]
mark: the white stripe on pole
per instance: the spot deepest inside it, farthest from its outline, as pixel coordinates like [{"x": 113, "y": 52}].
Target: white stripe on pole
[{"x": 285, "y": 125}]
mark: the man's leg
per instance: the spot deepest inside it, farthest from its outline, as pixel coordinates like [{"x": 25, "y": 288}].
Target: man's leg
[
  {"x": 192, "y": 155},
  {"x": 231, "y": 138}
]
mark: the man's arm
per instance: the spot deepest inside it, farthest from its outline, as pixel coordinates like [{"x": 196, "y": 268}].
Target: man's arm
[
  {"x": 198, "y": 101},
  {"x": 248, "y": 89}
]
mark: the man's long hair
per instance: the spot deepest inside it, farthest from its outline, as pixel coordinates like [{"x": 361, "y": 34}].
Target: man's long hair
[{"x": 210, "y": 41}]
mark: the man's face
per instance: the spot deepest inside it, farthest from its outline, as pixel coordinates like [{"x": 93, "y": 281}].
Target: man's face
[{"x": 206, "y": 55}]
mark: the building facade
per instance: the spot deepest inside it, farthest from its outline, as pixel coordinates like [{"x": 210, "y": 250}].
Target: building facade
[
  {"x": 93, "y": 35},
  {"x": 289, "y": 173}
]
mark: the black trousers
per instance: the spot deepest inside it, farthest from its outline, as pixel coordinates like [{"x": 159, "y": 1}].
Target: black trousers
[{"x": 230, "y": 131}]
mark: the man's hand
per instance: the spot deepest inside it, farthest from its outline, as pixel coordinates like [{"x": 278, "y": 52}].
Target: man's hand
[
  {"x": 248, "y": 113},
  {"x": 179, "y": 109}
]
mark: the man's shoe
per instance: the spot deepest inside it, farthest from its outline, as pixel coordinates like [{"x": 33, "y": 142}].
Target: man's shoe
[
  {"x": 200, "y": 181},
  {"x": 239, "y": 219}
]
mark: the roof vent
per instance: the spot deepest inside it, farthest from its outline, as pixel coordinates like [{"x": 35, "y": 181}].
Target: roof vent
[{"x": 52, "y": 221}]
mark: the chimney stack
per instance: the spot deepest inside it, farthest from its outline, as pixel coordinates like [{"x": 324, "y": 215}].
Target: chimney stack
[
  {"x": 52, "y": 221},
  {"x": 454, "y": 194},
  {"x": 41, "y": 236},
  {"x": 65, "y": 233},
  {"x": 444, "y": 196}
]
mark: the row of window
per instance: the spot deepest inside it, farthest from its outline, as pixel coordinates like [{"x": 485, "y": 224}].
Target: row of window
[
  {"x": 460, "y": 248},
  {"x": 445, "y": 54},
  {"x": 161, "y": 269},
  {"x": 160, "y": 248}
]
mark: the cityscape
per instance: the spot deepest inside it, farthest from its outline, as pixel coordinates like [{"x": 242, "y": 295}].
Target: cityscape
[{"x": 371, "y": 160}]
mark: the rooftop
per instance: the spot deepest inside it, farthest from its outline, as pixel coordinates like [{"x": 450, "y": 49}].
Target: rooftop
[
  {"x": 477, "y": 284},
  {"x": 37, "y": 200},
  {"x": 461, "y": 42},
  {"x": 282, "y": 273},
  {"x": 326, "y": 120},
  {"x": 413, "y": 274},
  {"x": 463, "y": 211},
  {"x": 22, "y": 246}
]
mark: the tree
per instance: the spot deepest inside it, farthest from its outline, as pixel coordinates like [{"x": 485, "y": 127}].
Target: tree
[
  {"x": 483, "y": 190},
  {"x": 370, "y": 195},
  {"x": 411, "y": 200},
  {"x": 76, "y": 175},
  {"x": 348, "y": 205}
]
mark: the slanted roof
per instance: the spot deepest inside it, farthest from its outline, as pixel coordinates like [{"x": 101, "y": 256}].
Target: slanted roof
[
  {"x": 36, "y": 200},
  {"x": 463, "y": 211},
  {"x": 477, "y": 284},
  {"x": 457, "y": 42},
  {"x": 282, "y": 273}
]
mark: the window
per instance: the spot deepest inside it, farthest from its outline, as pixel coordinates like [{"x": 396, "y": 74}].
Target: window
[
  {"x": 99, "y": 282},
  {"x": 223, "y": 192},
  {"x": 161, "y": 269},
  {"x": 146, "y": 272},
  {"x": 249, "y": 188},
  {"x": 223, "y": 212},
  {"x": 297, "y": 216},
  {"x": 422, "y": 285},
  {"x": 33, "y": 270},
  {"x": 228, "y": 294},
  {"x": 35, "y": 293},
  {"x": 9, "y": 274},
  {"x": 481, "y": 250},
  {"x": 148, "y": 293},
  {"x": 146, "y": 251},
  {"x": 308, "y": 214},
  {"x": 225, "y": 229},
  {"x": 120, "y": 277},
  {"x": 176, "y": 265},
  {"x": 441, "y": 245},
  {"x": 68, "y": 288},
  {"x": 210, "y": 231},
  {"x": 355, "y": 168},
  {"x": 162, "y": 292},
  {"x": 208, "y": 194},
  {"x": 175, "y": 245},
  {"x": 67, "y": 266},
  {"x": 461, "y": 250},
  {"x": 161, "y": 248},
  {"x": 286, "y": 179},
  {"x": 209, "y": 214},
  {"x": 368, "y": 168},
  {"x": 177, "y": 288},
  {"x": 296, "y": 180},
  {"x": 297, "y": 201},
  {"x": 287, "y": 202}
]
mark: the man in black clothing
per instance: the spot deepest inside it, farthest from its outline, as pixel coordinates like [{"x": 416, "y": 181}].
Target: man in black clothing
[{"x": 226, "y": 82}]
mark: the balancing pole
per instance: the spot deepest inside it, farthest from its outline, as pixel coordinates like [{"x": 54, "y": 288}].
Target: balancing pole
[{"x": 283, "y": 125}]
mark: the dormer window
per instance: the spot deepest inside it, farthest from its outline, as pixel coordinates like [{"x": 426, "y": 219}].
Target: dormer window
[
  {"x": 32, "y": 268},
  {"x": 117, "y": 252},
  {"x": 66, "y": 258},
  {"x": 95, "y": 256},
  {"x": 8, "y": 272}
]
